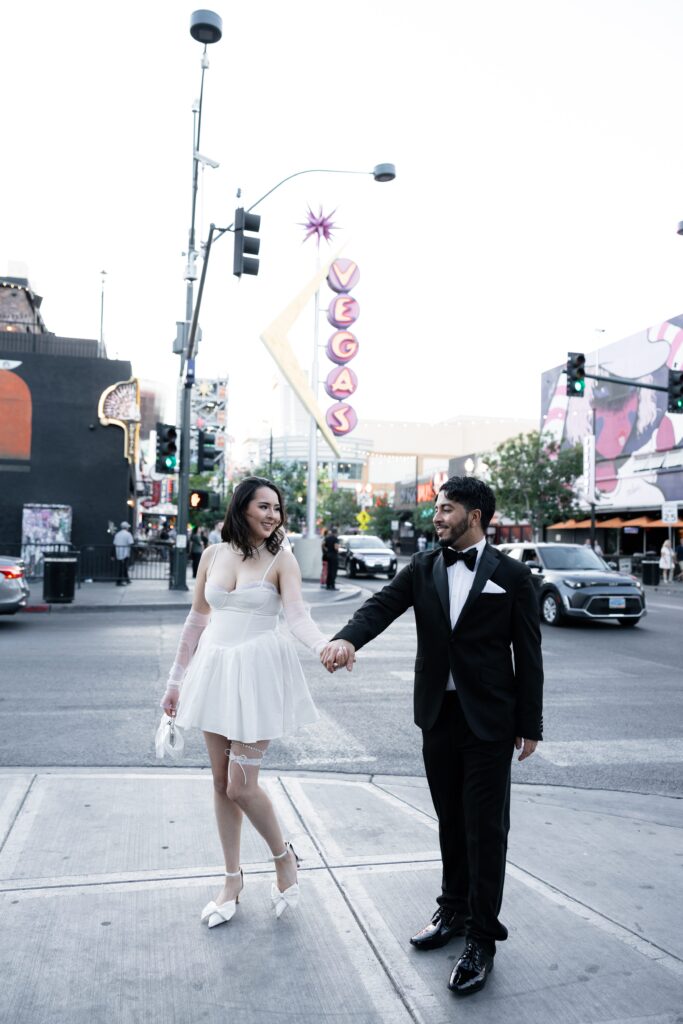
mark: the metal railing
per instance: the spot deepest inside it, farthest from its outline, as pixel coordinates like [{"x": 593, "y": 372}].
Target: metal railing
[{"x": 149, "y": 560}]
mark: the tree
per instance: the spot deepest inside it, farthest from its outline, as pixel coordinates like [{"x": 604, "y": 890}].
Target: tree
[
  {"x": 291, "y": 479},
  {"x": 337, "y": 508},
  {"x": 382, "y": 514},
  {"x": 533, "y": 479}
]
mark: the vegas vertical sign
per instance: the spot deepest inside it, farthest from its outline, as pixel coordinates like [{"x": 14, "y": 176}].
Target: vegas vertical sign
[{"x": 342, "y": 347}]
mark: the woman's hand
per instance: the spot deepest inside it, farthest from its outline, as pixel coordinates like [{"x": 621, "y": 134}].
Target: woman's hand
[
  {"x": 338, "y": 653},
  {"x": 169, "y": 701}
]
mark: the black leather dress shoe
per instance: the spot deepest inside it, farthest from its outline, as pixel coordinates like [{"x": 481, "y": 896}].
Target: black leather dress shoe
[
  {"x": 471, "y": 971},
  {"x": 443, "y": 927}
]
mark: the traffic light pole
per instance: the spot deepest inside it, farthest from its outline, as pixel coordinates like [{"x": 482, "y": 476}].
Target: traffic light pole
[{"x": 624, "y": 380}]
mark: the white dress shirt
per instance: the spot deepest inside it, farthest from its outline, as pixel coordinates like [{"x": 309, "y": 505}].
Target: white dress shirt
[{"x": 460, "y": 581}]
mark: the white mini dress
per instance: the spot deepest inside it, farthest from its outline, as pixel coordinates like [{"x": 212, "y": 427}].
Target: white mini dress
[{"x": 245, "y": 679}]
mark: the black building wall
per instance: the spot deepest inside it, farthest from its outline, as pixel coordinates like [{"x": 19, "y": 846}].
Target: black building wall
[{"x": 73, "y": 460}]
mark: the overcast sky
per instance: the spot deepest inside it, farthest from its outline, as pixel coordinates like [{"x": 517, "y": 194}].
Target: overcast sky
[{"x": 539, "y": 158}]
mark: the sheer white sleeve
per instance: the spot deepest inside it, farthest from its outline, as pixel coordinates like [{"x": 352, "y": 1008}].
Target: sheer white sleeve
[
  {"x": 302, "y": 626},
  {"x": 195, "y": 624}
]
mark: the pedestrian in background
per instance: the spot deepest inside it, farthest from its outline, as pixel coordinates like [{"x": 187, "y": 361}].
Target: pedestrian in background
[
  {"x": 215, "y": 534},
  {"x": 666, "y": 561},
  {"x": 196, "y": 549},
  {"x": 679, "y": 556},
  {"x": 331, "y": 544},
  {"x": 323, "y": 571},
  {"x": 123, "y": 542}
]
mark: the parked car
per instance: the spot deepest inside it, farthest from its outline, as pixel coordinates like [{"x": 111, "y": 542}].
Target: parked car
[
  {"x": 578, "y": 584},
  {"x": 14, "y": 592},
  {"x": 366, "y": 554}
]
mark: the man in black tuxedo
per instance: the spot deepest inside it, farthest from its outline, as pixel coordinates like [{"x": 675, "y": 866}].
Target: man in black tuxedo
[{"x": 478, "y": 691}]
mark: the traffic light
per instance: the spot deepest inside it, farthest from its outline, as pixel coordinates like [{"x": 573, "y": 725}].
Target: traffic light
[
  {"x": 167, "y": 448},
  {"x": 675, "y": 391},
  {"x": 245, "y": 244},
  {"x": 207, "y": 453},
  {"x": 576, "y": 372},
  {"x": 199, "y": 499}
]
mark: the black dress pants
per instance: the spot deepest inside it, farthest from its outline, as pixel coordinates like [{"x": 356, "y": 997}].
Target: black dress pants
[
  {"x": 332, "y": 565},
  {"x": 469, "y": 781}
]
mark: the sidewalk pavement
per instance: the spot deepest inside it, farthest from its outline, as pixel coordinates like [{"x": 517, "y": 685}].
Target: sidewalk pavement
[
  {"x": 146, "y": 595},
  {"x": 103, "y": 873}
]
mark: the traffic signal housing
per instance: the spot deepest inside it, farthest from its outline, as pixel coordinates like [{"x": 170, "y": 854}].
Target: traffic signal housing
[
  {"x": 207, "y": 452},
  {"x": 675, "y": 388},
  {"x": 199, "y": 499},
  {"x": 576, "y": 373},
  {"x": 246, "y": 246},
  {"x": 167, "y": 448}
]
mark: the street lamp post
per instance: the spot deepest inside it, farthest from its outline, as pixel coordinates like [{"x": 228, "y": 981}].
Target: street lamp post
[
  {"x": 381, "y": 172},
  {"x": 207, "y": 28}
]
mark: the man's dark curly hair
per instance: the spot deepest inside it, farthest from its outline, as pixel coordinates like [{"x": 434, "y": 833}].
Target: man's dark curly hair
[
  {"x": 471, "y": 493},
  {"x": 236, "y": 528}
]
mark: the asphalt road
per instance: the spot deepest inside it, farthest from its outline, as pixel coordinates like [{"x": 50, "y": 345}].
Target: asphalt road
[{"x": 81, "y": 689}]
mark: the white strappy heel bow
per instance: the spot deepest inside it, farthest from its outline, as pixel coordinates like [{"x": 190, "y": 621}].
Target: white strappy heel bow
[
  {"x": 290, "y": 897},
  {"x": 215, "y": 913}
]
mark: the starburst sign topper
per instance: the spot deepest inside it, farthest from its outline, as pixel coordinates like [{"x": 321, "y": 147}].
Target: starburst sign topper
[{"x": 319, "y": 225}]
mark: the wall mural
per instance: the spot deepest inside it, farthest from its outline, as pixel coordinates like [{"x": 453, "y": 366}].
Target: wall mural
[
  {"x": 638, "y": 445},
  {"x": 16, "y": 414}
]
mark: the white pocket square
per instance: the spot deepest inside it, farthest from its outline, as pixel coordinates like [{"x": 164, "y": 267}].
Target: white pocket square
[{"x": 492, "y": 588}]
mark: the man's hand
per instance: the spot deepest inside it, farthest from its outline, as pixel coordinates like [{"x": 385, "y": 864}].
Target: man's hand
[
  {"x": 527, "y": 747},
  {"x": 337, "y": 653}
]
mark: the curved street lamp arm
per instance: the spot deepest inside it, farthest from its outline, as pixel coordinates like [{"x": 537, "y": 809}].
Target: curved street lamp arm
[{"x": 309, "y": 170}]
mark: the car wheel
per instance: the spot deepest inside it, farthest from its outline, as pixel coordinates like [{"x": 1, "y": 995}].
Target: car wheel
[
  {"x": 629, "y": 623},
  {"x": 351, "y": 570},
  {"x": 551, "y": 609}
]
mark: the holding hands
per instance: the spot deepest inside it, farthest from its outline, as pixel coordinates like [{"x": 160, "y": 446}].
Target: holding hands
[{"x": 336, "y": 654}]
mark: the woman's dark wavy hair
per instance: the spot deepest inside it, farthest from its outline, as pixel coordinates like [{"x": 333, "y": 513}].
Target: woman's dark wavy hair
[
  {"x": 235, "y": 528},
  {"x": 472, "y": 493}
]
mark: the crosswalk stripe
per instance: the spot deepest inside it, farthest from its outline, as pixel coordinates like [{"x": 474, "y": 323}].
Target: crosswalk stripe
[
  {"x": 637, "y": 751},
  {"x": 326, "y": 742}
]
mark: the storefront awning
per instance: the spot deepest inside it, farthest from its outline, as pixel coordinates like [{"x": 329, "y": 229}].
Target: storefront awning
[
  {"x": 572, "y": 524},
  {"x": 640, "y": 521},
  {"x": 610, "y": 524},
  {"x": 660, "y": 522}
]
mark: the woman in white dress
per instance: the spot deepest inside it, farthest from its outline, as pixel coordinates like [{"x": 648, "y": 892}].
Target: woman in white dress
[
  {"x": 666, "y": 562},
  {"x": 238, "y": 678}
]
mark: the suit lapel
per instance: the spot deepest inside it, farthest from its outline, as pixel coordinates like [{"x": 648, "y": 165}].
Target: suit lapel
[
  {"x": 485, "y": 568},
  {"x": 441, "y": 584}
]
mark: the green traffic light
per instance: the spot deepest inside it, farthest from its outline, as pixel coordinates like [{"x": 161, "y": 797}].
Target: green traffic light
[
  {"x": 170, "y": 461},
  {"x": 579, "y": 385}
]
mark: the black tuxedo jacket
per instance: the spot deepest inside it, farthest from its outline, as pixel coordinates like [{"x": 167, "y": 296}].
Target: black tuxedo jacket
[{"x": 501, "y": 695}]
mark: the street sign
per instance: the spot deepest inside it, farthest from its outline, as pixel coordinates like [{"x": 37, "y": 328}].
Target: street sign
[
  {"x": 670, "y": 512},
  {"x": 365, "y": 500},
  {"x": 363, "y": 519}
]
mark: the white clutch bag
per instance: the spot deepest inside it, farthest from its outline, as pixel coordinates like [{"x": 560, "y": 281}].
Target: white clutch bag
[{"x": 169, "y": 739}]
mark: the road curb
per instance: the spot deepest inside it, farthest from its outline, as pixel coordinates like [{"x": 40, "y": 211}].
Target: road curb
[{"x": 151, "y": 606}]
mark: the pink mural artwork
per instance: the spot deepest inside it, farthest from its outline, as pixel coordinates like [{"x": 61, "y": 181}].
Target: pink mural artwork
[{"x": 635, "y": 437}]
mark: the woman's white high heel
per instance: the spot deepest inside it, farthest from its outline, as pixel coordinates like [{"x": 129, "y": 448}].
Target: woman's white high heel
[
  {"x": 290, "y": 897},
  {"x": 214, "y": 913}
]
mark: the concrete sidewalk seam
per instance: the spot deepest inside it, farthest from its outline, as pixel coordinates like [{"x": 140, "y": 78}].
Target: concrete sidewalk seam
[
  {"x": 599, "y": 920},
  {"x": 398, "y": 989},
  {"x": 19, "y": 809},
  {"x": 549, "y": 891}
]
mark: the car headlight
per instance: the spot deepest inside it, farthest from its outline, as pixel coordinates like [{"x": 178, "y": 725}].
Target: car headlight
[
  {"x": 637, "y": 582},
  {"x": 574, "y": 584}
]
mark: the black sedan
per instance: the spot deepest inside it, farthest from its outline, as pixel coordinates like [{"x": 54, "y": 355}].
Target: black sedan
[
  {"x": 575, "y": 583},
  {"x": 366, "y": 554}
]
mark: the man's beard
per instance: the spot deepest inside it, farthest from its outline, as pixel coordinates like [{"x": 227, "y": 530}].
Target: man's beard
[{"x": 456, "y": 533}]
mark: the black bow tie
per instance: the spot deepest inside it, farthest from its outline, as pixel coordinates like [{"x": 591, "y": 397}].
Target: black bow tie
[{"x": 469, "y": 557}]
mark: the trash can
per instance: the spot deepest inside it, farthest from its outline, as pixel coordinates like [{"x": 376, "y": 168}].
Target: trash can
[
  {"x": 59, "y": 577},
  {"x": 650, "y": 572}
]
